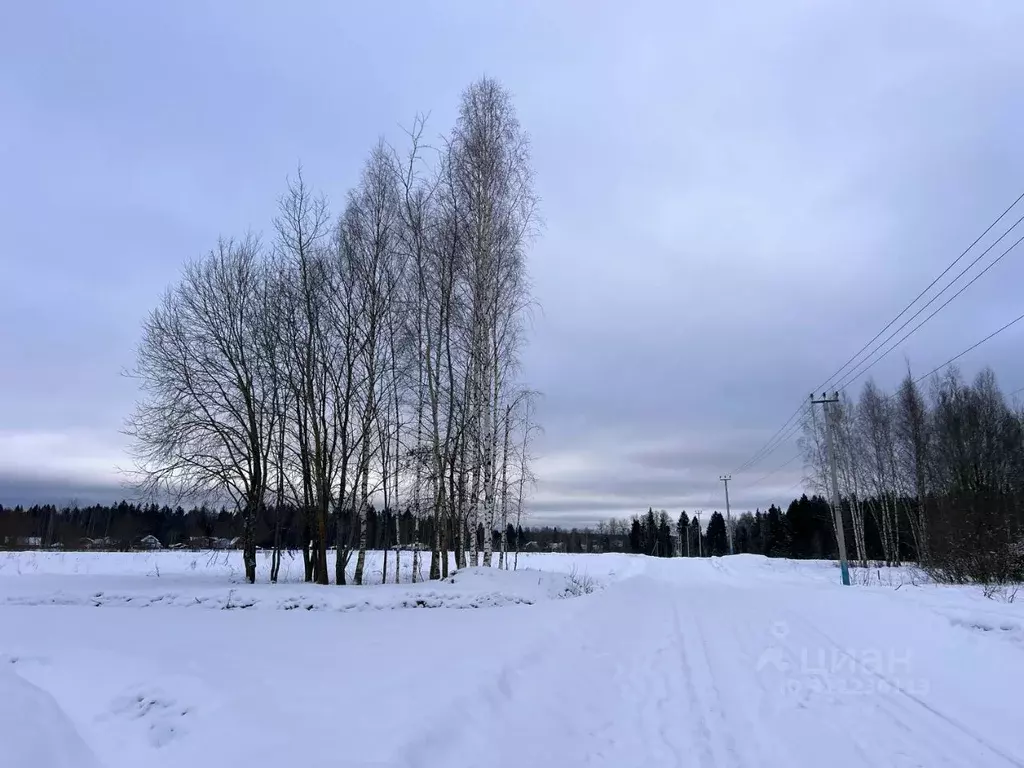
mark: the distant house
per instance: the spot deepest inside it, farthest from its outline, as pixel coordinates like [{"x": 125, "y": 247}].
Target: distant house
[
  {"x": 556, "y": 546},
  {"x": 29, "y": 542},
  {"x": 101, "y": 543},
  {"x": 531, "y": 546},
  {"x": 150, "y": 542}
]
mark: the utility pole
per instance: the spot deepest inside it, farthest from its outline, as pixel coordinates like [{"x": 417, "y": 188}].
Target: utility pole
[
  {"x": 837, "y": 509},
  {"x": 728, "y": 514}
]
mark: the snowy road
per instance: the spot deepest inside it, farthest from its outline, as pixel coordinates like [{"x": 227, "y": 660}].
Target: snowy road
[
  {"x": 692, "y": 668},
  {"x": 731, "y": 663}
]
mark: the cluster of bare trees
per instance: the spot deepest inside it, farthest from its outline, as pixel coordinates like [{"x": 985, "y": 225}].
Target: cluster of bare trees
[
  {"x": 366, "y": 358},
  {"x": 940, "y": 473}
]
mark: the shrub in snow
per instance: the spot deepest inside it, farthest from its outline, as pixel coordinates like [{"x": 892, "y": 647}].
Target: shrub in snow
[{"x": 580, "y": 584}]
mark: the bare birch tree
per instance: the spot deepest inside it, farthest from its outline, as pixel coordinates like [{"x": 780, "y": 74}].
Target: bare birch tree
[
  {"x": 302, "y": 229},
  {"x": 371, "y": 224},
  {"x": 377, "y": 356},
  {"x": 878, "y": 446},
  {"x": 206, "y": 424},
  {"x": 850, "y": 470},
  {"x": 912, "y": 447},
  {"x": 493, "y": 178}
]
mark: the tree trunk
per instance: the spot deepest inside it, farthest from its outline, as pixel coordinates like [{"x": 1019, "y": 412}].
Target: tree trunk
[
  {"x": 321, "y": 540},
  {"x": 307, "y": 560},
  {"x": 249, "y": 541},
  {"x": 443, "y": 546},
  {"x": 275, "y": 560},
  {"x": 473, "y": 519},
  {"x": 361, "y": 557},
  {"x": 416, "y": 550},
  {"x": 398, "y": 548},
  {"x": 502, "y": 558}
]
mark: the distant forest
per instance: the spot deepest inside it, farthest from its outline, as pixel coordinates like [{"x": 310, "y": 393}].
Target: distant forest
[
  {"x": 935, "y": 478},
  {"x": 126, "y": 526},
  {"x": 803, "y": 531}
]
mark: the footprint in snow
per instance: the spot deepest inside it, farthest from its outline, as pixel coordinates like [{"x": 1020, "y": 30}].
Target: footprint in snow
[{"x": 162, "y": 716}]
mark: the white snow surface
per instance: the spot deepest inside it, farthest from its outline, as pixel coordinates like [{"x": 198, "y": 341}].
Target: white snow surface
[
  {"x": 111, "y": 660},
  {"x": 34, "y": 730}
]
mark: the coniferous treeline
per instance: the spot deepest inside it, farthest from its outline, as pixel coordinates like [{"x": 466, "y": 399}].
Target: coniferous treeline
[
  {"x": 126, "y": 526},
  {"x": 804, "y": 530},
  {"x": 936, "y": 480}
]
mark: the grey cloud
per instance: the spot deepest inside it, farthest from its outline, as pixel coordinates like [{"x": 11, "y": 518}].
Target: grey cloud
[
  {"x": 737, "y": 197},
  {"x": 668, "y": 491},
  {"x": 694, "y": 458},
  {"x": 25, "y": 489}
]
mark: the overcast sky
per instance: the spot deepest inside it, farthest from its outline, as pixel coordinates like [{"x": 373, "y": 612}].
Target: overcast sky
[{"x": 737, "y": 196}]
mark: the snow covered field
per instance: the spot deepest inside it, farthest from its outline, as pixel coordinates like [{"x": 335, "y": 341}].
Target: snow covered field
[{"x": 114, "y": 660}]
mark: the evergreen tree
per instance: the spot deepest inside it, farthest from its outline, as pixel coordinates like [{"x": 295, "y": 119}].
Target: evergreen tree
[
  {"x": 743, "y": 533},
  {"x": 718, "y": 538},
  {"x": 683, "y": 530},
  {"x": 636, "y": 537},
  {"x": 650, "y": 532},
  {"x": 757, "y": 533},
  {"x": 695, "y": 537},
  {"x": 664, "y": 536},
  {"x": 809, "y": 524},
  {"x": 776, "y": 536}
]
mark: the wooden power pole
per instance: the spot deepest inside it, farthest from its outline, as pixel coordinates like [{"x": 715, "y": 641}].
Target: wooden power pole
[{"x": 837, "y": 509}]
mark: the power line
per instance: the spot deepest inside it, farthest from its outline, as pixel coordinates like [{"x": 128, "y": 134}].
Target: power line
[
  {"x": 790, "y": 434},
  {"x": 969, "y": 349},
  {"x": 956, "y": 357},
  {"x": 772, "y": 444},
  {"x": 847, "y": 381},
  {"x": 774, "y": 471},
  {"x": 930, "y": 285},
  {"x": 768, "y": 448}
]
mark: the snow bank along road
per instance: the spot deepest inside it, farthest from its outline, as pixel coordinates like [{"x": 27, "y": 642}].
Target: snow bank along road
[{"x": 724, "y": 662}]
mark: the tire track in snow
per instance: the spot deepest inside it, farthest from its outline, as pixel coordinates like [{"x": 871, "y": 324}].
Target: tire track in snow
[
  {"x": 594, "y": 693},
  {"x": 658, "y": 672},
  {"x": 921, "y": 703},
  {"x": 699, "y": 729},
  {"x": 871, "y": 724},
  {"x": 663, "y": 671},
  {"x": 876, "y": 724},
  {"x": 461, "y": 719},
  {"x": 728, "y": 739},
  {"x": 744, "y": 706}
]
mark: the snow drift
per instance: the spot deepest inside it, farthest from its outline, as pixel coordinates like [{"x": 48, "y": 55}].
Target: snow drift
[{"x": 34, "y": 731}]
